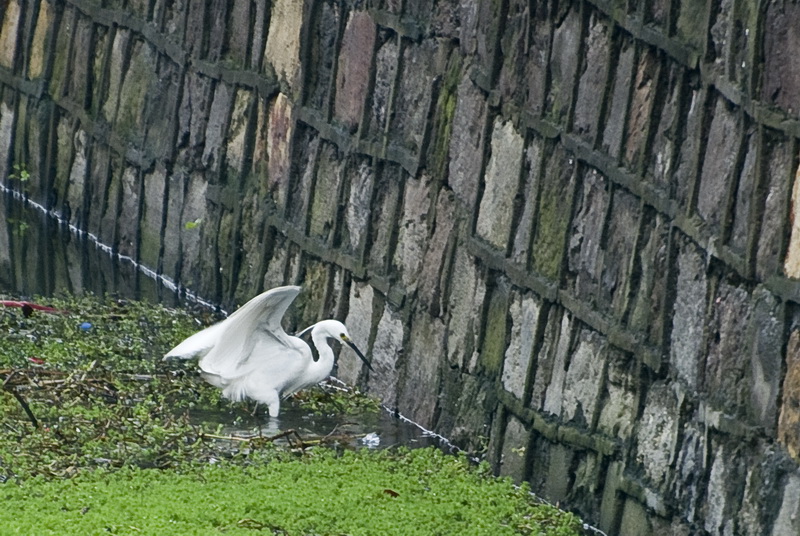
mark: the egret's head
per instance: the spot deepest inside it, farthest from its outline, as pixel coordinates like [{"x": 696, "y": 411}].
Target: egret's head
[{"x": 333, "y": 329}]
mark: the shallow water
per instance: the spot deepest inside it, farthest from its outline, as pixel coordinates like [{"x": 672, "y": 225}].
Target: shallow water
[{"x": 41, "y": 256}]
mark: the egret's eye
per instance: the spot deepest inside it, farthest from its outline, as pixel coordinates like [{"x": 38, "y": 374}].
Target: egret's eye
[{"x": 343, "y": 336}]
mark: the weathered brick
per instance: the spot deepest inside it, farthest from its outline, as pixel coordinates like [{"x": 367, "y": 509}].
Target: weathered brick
[
  {"x": 593, "y": 78},
  {"x": 385, "y": 215},
  {"x": 532, "y": 172},
  {"x": 386, "y": 59},
  {"x": 778, "y": 170},
  {"x": 620, "y": 95},
  {"x": 466, "y": 144},
  {"x": 128, "y": 216},
  {"x": 623, "y": 228},
  {"x": 139, "y": 80},
  {"x": 419, "y": 387},
  {"x": 496, "y": 211},
  {"x": 359, "y": 325},
  {"x": 766, "y": 334},
  {"x": 353, "y": 74},
  {"x": 434, "y": 273},
  {"x": 640, "y": 113},
  {"x": 42, "y": 40},
  {"x": 359, "y": 179},
  {"x": 283, "y": 40},
  {"x": 657, "y": 435},
  {"x": 744, "y": 193},
  {"x": 688, "y": 317},
  {"x": 650, "y": 279},
  {"x": 305, "y": 153},
  {"x": 787, "y": 522},
  {"x": 515, "y": 446},
  {"x": 559, "y": 360},
  {"x": 386, "y": 351},
  {"x": 235, "y": 150},
  {"x": 719, "y": 46},
  {"x": 280, "y": 127},
  {"x": 563, "y": 64},
  {"x": 789, "y": 422},
  {"x": 661, "y": 162},
  {"x": 81, "y": 66},
  {"x": 691, "y": 469},
  {"x": 324, "y": 205},
  {"x": 490, "y": 359},
  {"x": 217, "y": 127},
  {"x": 719, "y": 164},
  {"x": 78, "y": 188},
  {"x": 690, "y": 135},
  {"x": 465, "y": 302},
  {"x": 511, "y": 79},
  {"x": 555, "y": 200},
  {"x": 237, "y": 29},
  {"x": 781, "y": 76},
  {"x": 9, "y": 32},
  {"x": 584, "y": 255},
  {"x": 692, "y": 22},
  {"x": 413, "y": 95},
  {"x": 619, "y": 403},
  {"x": 524, "y": 310},
  {"x": 585, "y": 379},
  {"x": 413, "y": 229},
  {"x": 791, "y": 265},
  {"x": 540, "y": 35}
]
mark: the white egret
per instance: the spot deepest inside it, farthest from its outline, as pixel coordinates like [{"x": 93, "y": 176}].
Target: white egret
[{"x": 249, "y": 355}]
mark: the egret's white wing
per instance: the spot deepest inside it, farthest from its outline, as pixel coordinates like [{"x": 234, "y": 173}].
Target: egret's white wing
[
  {"x": 256, "y": 324},
  {"x": 198, "y": 344}
]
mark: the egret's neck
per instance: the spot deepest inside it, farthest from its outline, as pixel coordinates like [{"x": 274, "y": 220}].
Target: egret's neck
[{"x": 325, "y": 363}]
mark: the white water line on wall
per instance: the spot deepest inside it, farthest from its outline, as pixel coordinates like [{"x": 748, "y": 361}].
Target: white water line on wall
[{"x": 162, "y": 279}]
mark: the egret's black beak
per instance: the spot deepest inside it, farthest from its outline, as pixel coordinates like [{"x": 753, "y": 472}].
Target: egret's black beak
[{"x": 358, "y": 353}]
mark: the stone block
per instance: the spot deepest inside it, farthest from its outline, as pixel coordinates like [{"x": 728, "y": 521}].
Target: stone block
[
  {"x": 764, "y": 498},
  {"x": 240, "y": 16},
  {"x": 413, "y": 95},
  {"x": 554, "y": 385},
  {"x": 490, "y": 360},
  {"x": 513, "y": 51},
  {"x": 635, "y": 520},
  {"x": 620, "y": 94},
  {"x": 620, "y": 400},
  {"x": 81, "y": 63},
  {"x": 743, "y": 198},
  {"x": 524, "y": 311},
  {"x": 516, "y": 442},
  {"x": 555, "y": 200},
  {"x": 640, "y": 112},
  {"x": 60, "y": 59},
  {"x": 128, "y": 217},
  {"x": 585, "y": 253},
  {"x": 323, "y": 35},
  {"x": 728, "y": 352},
  {"x": 194, "y": 210},
  {"x": 387, "y": 351},
  {"x": 781, "y": 42},
  {"x": 719, "y": 165},
  {"x": 198, "y": 91},
  {"x": 496, "y": 212},
  {"x": 692, "y": 22},
  {"x": 662, "y": 152},
  {"x": 766, "y": 334},
  {"x": 140, "y": 79},
  {"x": 277, "y": 265},
  {"x": 100, "y": 177},
  {"x": 385, "y": 216},
  {"x": 690, "y": 474},
  {"x": 723, "y": 498},
  {"x": 160, "y": 113},
  {"x": 468, "y": 416},
  {"x": 359, "y": 179},
  {"x": 65, "y": 133},
  {"x": 305, "y": 153},
  {"x": 563, "y": 63},
  {"x": 353, "y": 74},
  {"x": 531, "y": 177},
  {"x": 325, "y": 196},
  {"x": 623, "y": 229},
  {"x": 42, "y": 41},
  {"x": 593, "y": 78},
  {"x": 219, "y": 116},
  {"x": 419, "y": 386},
  {"x": 386, "y": 61},
  {"x": 649, "y": 296},
  {"x": 282, "y": 51},
  {"x": 789, "y": 422},
  {"x": 585, "y": 379},
  {"x": 236, "y": 139},
  {"x": 465, "y": 302},
  {"x": 720, "y": 42},
  {"x": 414, "y": 229},
  {"x": 77, "y": 188},
  {"x": 657, "y": 434},
  {"x": 539, "y": 38},
  {"x": 688, "y": 317},
  {"x": 791, "y": 265},
  {"x": 544, "y": 358},
  {"x": 560, "y": 461},
  {"x": 280, "y": 128},
  {"x": 690, "y": 135},
  {"x": 788, "y": 520},
  {"x": 466, "y": 143},
  {"x": 779, "y": 173},
  {"x": 173, "y": 223},
  {"x": 9, "y": 31},
  {"x": 359, "y": 325},
  {"x": 434, "y": 273}
]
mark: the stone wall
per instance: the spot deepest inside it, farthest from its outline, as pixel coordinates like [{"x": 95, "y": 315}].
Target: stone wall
[{"x": 564, "y": 230}]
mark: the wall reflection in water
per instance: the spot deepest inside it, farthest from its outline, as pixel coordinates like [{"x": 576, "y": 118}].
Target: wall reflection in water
[{"x": 41, "y": 256}]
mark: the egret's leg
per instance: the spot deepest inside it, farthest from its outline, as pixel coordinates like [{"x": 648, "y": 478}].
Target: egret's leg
[{"x": 274, "y": 407}]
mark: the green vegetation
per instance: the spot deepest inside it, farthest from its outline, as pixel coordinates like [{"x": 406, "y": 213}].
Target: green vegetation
[{"x": 97, "y": 437}]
